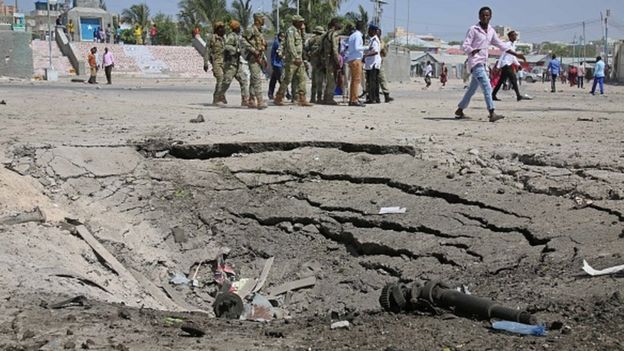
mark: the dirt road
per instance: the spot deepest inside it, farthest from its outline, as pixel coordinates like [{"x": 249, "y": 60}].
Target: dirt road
[{"x": 508, "y": 209}]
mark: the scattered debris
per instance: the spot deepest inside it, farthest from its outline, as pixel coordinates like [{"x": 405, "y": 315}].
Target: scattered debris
[
  {"x": 173, "y": 321},
  {"x": 260, "y": 310},
  {"x": 463, "y": 289},
  {"x": 474, "y": 152},
  {"x": 519, "y": 328},
  {"x": 79, "y": 300},
  {"x": 340, "y": 325},
  {"x": 228, "y": 305},
  {"x": 274, "y": 334},
  {"x": 295, "y": 285},
  {"x": 265, "y": 273},
  {"x": 398, "y": 297},
  {"x": 198, "y": 119},
  {"x": 2, "y": 102},
  {"x": 35, "y": 216},
  {"x": 243, "y": 287},
  {"x": 179, "y": 279},
  {"x": 192, "y": 330},
  {"x": 612, "y": 270},
  {"x": 222, "y": 272},
  {"x": 585, "y": 119},
  {"x": 580, "y": 202},
  {"x": 390, "y": 210}
]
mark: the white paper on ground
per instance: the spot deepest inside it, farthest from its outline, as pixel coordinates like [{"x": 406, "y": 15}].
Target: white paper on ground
[
  {"x": 589, "y": 270},
  {"x": 387, "y": 210}
]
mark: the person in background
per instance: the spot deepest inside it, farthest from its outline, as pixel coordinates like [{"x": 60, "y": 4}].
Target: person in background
[
  {"x": 332, "y": 59},
  {"x": 101, "y": 35},
  {"x": 71, "y": 29},
  {"x": 277, "y": 63},
  {"x": 383, "y": 82},
  {"x": 444, "y": 75},
  {"x": 428, "y": 74},
  {"x": 354, "y": 56},
  {"x": 312, "y": 51},
  {"x": 138, "y": 34},
  {"x": 108, "y": 33},
  {"x": 554, "y": 68},
  {"x": 581, "y": 76},
  {"x": 93, "y": 66},
  {"x": 506, "y": 64},
  {"x": 214, "y": 55},
  {"x": 372, "y": 64},
  {"x": 572, "y": 74},
  {"x": 108, "y": 63},
  {"x": 520, "y": 75},
  {"x": 153, "y": 33},
  {"x": 599, "y": 76}
]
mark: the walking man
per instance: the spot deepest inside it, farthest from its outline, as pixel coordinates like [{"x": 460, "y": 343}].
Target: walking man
[
  {"x": 581, "y": 76},
  {"x": 554, "y": 67},
  {"x": 355, "y": 54},
  {"x": 313, "y": 53},
  {"x": 330, "y": 57},
  {"x": 599, "y": 76},
  {"x": 372, "y": 64},
  {"x": 93, "y": 66},
  {"x": 478, "y": 39},
  {"x": 214, "y": 55},
  {"x": 108, "y": 63},
  {"x": 294, "y": 67},
  {"x": 383, "y": 82},
  {"x": 232, "y": 65},
  {"x": 428, "y": 74},
  {"x": 255, "y": 48},
  {"x": 506, "y": 64}
]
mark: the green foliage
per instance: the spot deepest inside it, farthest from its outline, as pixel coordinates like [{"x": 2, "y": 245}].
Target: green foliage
[
  {"x": 127, "y": 37},
  {"x": 360, "y": 16},
  {"x": 137, "y": 14},
  {"x": 242, "y": 12},
  {"x": 167, "y": 30}
]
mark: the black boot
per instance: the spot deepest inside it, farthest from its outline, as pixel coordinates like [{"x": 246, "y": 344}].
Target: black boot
[{"x": 388, "y": 98}]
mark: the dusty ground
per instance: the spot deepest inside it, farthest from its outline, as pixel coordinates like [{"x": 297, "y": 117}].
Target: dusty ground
[{"x": 489, "y": 206}]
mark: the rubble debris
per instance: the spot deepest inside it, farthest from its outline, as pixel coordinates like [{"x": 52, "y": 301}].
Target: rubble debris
[
  {"x": 35, "y": 216},
  {"x": 198, "y": 119},
  {"x": 612, "y": 270},
  {"x": 391, "y": 210},
  {"x": 243, "y": 287},
  {"x": 294, "y": 285},
  {"x": 264, "y": 274},
  {"x": 580, "y": 203},
  {"x": 274, "y": 334},
  {"x": 222, "y": 272},
  {"x": 192, "y": 330},
  {"x": 520, "y": 328},
  {"x": 398, "y": 297},
  {"x": 585, "y": 119},
  {"x": 179, "y": 279},
  {"x": 228, "y": 305},
  {"x": 173, "y": 321},
  {"x": 79, "y": 300},
  {"x": 259, "y": 310},
  {"x": 340, "y": 325}
]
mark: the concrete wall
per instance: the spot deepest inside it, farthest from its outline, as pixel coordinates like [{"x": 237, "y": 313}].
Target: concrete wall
[
  {"x": 70, "y": 52},
  {"x": 618, "y": 63},
  {"x": 397, "y": 66},
  {"x": 16, "y": 57}
]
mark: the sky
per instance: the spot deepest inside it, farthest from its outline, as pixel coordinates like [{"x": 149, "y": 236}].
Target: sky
[{"x": 537, "y": 20}]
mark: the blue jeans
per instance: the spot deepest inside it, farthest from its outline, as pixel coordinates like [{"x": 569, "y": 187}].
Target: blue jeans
[
  {"x": 600, "y": 81},
  {"x": 479, "y": 77}
]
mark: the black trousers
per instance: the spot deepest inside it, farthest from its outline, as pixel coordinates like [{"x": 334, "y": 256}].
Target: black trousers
[
  {"x": 276, "y": 76},
  {"x": 507, "y": 73},
  {"x": 372, "y": 84},
  {"x": 108, "y": 70}
]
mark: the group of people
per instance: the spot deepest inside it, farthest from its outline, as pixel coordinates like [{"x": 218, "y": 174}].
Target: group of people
[
  {"x": 576, "y": 75},
  {"x": 107, "y": 63},
  {"x": 327, "y": 54},
  {"x": 103, "y": 36}
]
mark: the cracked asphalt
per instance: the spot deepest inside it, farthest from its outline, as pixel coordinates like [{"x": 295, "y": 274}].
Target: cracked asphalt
[{"x": 509, "y": 210}]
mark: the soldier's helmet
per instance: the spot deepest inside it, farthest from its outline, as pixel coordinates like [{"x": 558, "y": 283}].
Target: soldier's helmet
[
  {"x": 318, "y": 30},
  {"x": 218, "y": 25},
  {"x": 234, "y": 25},
  {"x": 297, "y": 18}
]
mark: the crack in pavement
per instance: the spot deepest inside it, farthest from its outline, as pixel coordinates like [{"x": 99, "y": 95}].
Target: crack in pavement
[
  {"x": 465, "y": 248},
  {"x": 527, "y": 234},
  {"x": 208, "y": 151},
  {"x": 415, "y": 190}
]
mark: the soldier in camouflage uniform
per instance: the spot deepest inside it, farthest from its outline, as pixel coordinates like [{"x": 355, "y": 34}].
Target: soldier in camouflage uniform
[
  {"x": 214, "y": 54},
  {"x": 256, "y": 47},
  {"x": 330, "y": 52},
  {"x": 383, "y": 83},
  {"x": 294, "y": 66},
  {"x": 233, "y": 67},
  {"x": 313, "y": 55}
]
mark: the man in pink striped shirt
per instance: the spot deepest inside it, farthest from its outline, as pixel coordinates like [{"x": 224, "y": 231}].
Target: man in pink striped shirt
[
  {"x": 108, "y": 64},
  {"x": 478, "y": 39}
]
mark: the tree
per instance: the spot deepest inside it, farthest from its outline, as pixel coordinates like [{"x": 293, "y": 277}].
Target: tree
[
  {"x": 137, "y": 14},
  {"x": 317, "y": 12},
  {"x": 167, "y": 30},
  {"x": 242, "y": 11},
  {"x": 358, "y": 17}
]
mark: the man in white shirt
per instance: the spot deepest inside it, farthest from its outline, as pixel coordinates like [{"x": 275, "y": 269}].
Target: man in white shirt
[
  {"x": 372, "y": 64},
  {"x": 428, "y": 74},
  {"x": 506, "y": 65}
]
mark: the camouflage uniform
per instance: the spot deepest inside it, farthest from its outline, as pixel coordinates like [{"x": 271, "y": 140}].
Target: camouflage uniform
[
  {"x": 294, "y": 66},
  {"x": 383, "y": 83},
  {"x": 214, "y": 54},
  {"x": 234, "y": 66},
  {"x": 313, "y": 55},
  {"x": 256, "y": 46},
  {"x": 331, "y": 54}
]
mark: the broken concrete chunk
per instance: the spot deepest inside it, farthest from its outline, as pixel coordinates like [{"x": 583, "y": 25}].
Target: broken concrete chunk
[
  {"x": 295, "y": 285},
  {"x": 179, "y": 279},
  {"x": 390, "y": 210},
  {"x": 340, "y": 325}
]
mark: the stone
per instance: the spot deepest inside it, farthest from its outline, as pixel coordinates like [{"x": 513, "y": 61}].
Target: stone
[
  {"x": 178, "y": 235},
  {"x": 340, "y": 325}
]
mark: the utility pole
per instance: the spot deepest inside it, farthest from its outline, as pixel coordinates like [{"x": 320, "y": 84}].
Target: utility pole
[
  {"x": 297, "y": 6},
  {"x": 606, "y": 43},
  {"x": 574, "y": 47},
  {"x": 584, "y": 43},
  {"x": 408, "y": 23},
  {"x": 378, "y": 11},
  {"x": 16, "y": 9}
]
